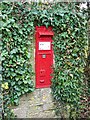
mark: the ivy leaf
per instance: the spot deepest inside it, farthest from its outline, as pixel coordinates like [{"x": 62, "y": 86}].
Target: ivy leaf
[
  {"x": 25, "y": 82},
  {"x": 26, "y": 89},
  {"x": 13, "y": 51}
]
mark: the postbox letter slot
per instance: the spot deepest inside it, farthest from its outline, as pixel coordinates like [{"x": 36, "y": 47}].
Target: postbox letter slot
[
  {"x": 46, "y": 33},
  {"x": 44, "y": 56},
  {"x": 42, "y": 81}
]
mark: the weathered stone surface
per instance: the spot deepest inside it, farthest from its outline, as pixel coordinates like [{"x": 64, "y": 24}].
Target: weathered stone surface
[
  {"x": 38, "y": 104},
  {"x": 48, "y": 106},
  {"x": 21, "y": 110}
]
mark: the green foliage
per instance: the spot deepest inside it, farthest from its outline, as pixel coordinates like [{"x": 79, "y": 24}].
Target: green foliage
[
  {"x": 70, "y": 40},
  {"x": 16, "y": 51}
]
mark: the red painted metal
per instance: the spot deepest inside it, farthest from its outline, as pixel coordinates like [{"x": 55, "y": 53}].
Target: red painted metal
[{"x": 43, "y": 56}]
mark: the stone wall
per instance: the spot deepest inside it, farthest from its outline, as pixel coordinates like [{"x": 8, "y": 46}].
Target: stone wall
[{"x": 38, "y": 104}]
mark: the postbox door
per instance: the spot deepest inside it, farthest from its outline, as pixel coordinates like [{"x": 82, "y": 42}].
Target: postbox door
[{"x": 44, "y": 70}]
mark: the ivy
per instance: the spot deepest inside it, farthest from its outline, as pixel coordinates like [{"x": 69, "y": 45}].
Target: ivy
[
  {"x": 70, "y": 39},
  {"x": 70, "y": 42},
  {"x": 16, "y": 53}
]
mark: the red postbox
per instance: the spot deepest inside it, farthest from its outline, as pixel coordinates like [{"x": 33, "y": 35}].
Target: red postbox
[{"x": 43, "y": 56}]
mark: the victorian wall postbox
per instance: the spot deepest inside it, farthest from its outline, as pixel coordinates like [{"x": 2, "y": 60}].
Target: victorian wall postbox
[{"x": 43, "y": 56}]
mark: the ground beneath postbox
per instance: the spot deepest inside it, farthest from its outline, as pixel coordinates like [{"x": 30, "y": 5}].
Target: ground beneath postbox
[{"x": 38, "y": 104}]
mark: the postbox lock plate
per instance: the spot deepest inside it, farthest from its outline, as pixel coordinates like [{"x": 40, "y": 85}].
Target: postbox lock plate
[
  {"x": 44, "y": 46},
  {"x": 42, "y": 72}
]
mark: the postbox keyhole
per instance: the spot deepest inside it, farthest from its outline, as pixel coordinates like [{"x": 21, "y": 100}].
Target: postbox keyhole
[{"x": 42, "y": 72}]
